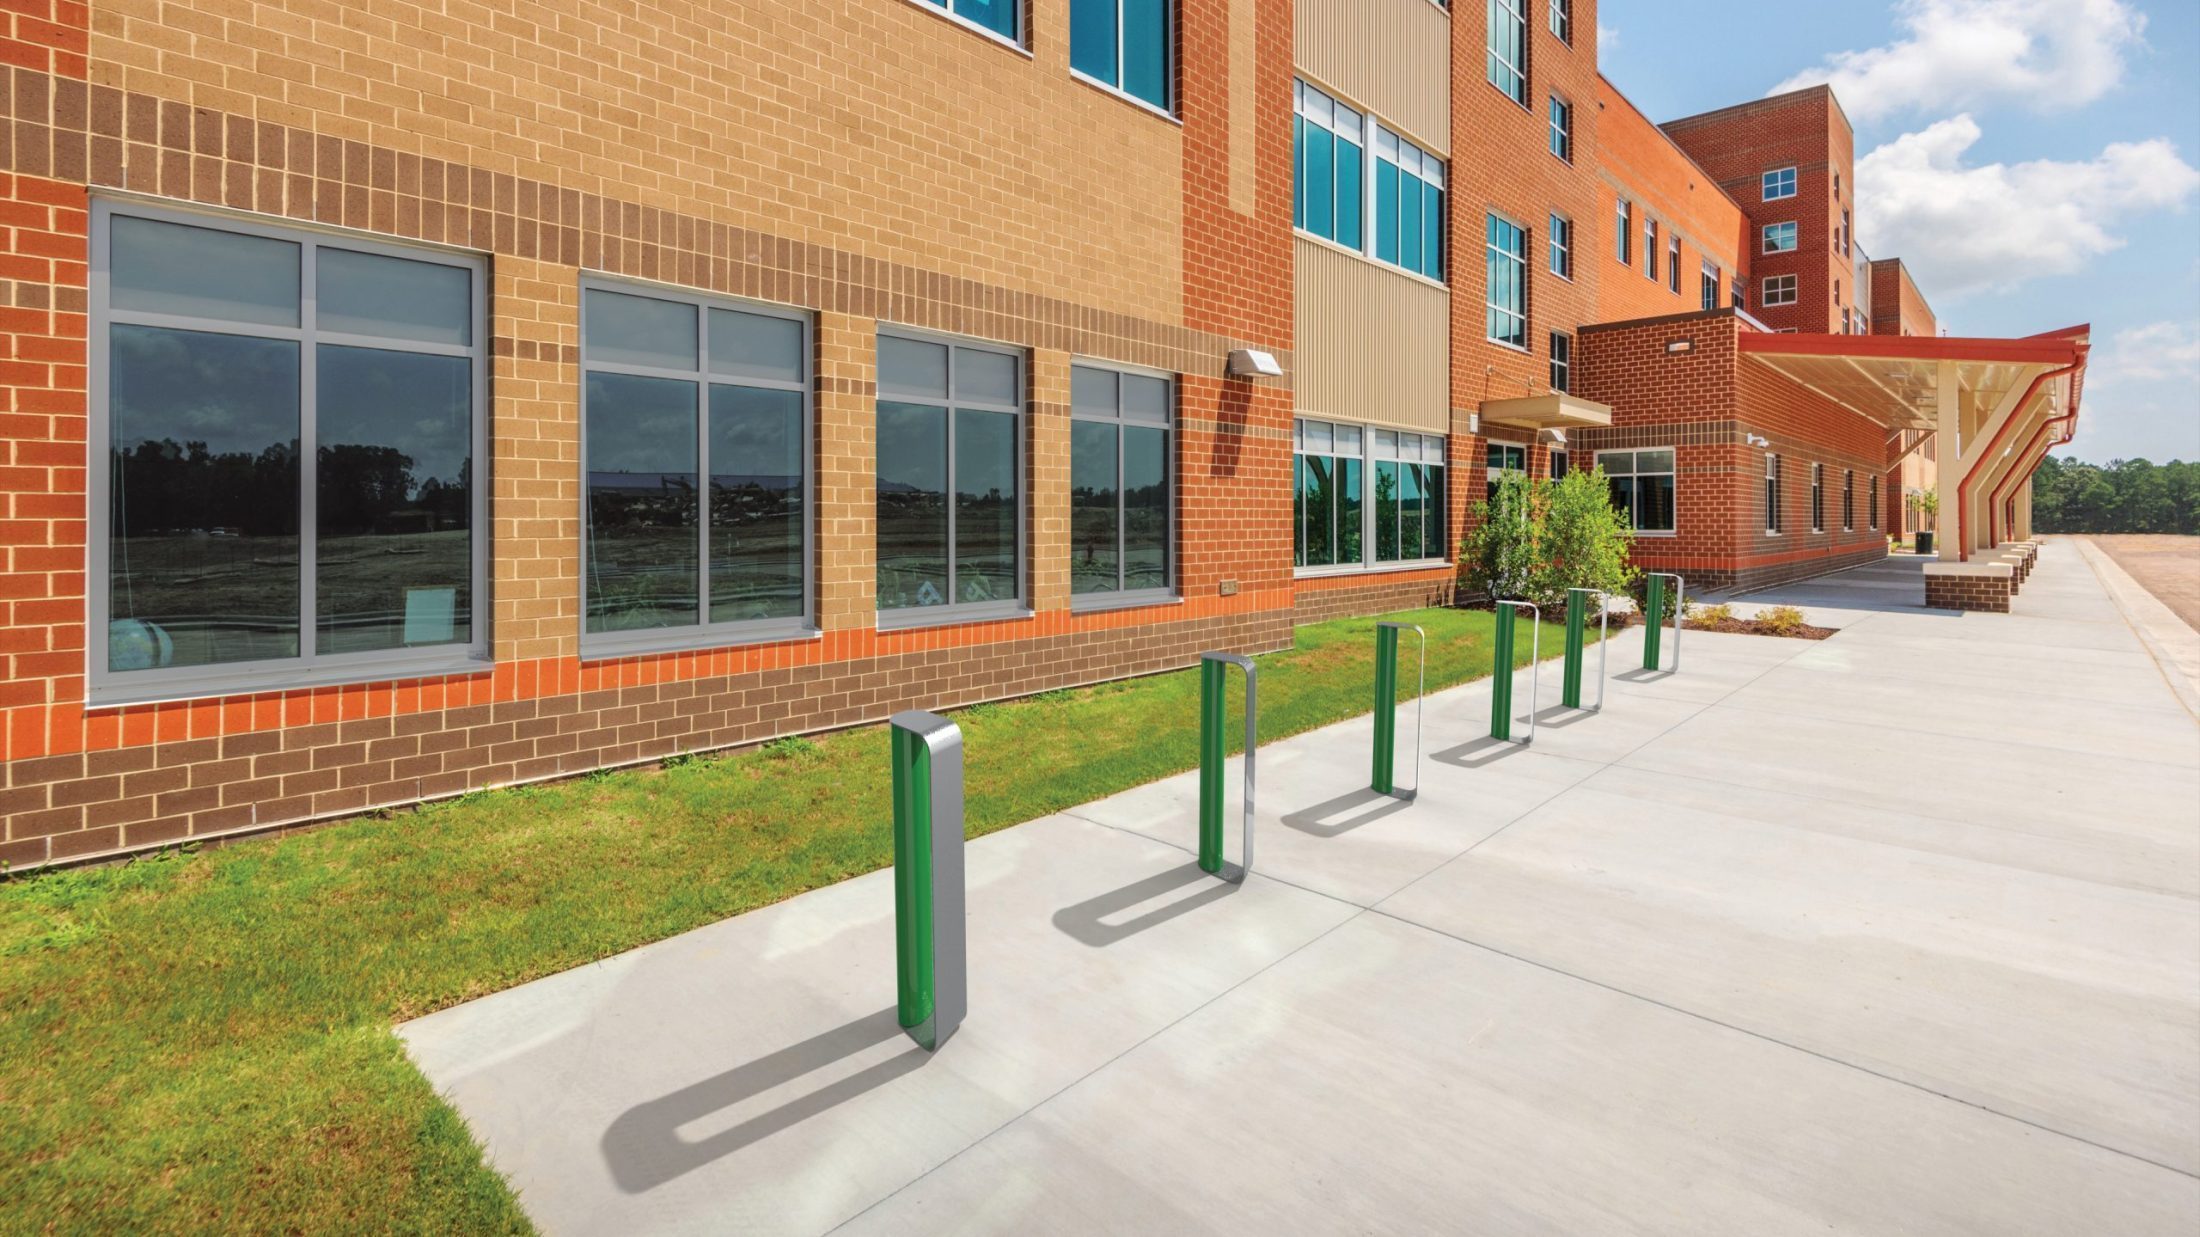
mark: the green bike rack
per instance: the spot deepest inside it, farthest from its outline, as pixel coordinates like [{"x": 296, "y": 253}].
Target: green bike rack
[
  {"x": 1213, "y": 681},
  {"x": 1577, "y": 631},
  {"x": 1501, "y": 671},
  {"x": 1386, "y": 709},
  {"x": 930, "y": 953},
  {"x": 1653, "y": 613}
]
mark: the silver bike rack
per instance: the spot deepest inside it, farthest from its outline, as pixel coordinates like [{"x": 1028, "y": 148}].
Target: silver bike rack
[{"x": 1502, "y": 675}]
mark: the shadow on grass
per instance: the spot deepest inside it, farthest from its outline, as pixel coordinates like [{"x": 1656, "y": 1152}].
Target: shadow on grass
[
  {"x": 1316, "y": 820},
  {"x": 643, "y": 1146},
  {"x": 1087, "y": 922}
]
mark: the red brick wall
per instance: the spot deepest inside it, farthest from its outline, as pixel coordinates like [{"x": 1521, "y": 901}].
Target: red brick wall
[
  {"x": 1640, "y": 164},
  {"x": 1898, "y": 307}
]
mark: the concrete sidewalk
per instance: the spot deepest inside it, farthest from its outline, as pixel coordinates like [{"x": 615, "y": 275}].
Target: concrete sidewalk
[{"x": 1898, "y": 931}]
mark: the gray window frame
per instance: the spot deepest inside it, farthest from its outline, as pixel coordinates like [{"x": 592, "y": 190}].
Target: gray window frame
[
  {"x": 105, "y": 687},
  {"x": 1368, "y": 458},
  {"x": 704, "y": 634},
  {"x": 1492, "y": 253},
  {"x": 1708, "y": 283},
  {"x": 1634, "y": 515},
  {"x": 902, "y": 618},
  {"x": 1562, "y": 362},
  {"x": 1171, "y": 589}
]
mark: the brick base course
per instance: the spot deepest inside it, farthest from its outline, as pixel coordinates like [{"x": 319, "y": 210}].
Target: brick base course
[
  {"x": 1374, "y": 595},
  {"x": 1990, "y": 594}
]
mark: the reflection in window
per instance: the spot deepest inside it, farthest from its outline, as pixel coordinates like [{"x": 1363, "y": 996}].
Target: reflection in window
[
  {"x": 695, "y": 417},
  {"x": 1340, "y": 524},
  {"x": 221, "y": 363},
  {"x": 1120, "y": 492},
  {"x": 998, "y": 16},
  {"x": 1642, "y": 486},
  {"x": 1327, "y": 146},
  {"x": 949, "y": 423},
  {"x": 1124, "y": 43}
]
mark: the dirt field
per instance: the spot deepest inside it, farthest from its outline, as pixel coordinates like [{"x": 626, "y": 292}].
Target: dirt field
[{"x": 2166, "y": 566}]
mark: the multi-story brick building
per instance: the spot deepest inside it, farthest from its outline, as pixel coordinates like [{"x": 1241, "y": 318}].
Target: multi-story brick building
[{"x": 399, "y": 402}]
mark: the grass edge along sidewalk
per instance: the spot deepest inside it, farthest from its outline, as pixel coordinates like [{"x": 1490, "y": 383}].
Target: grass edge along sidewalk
[{"x": 203, "y": 1041}]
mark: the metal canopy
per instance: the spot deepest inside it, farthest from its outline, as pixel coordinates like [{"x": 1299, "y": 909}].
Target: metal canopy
[
  {"x": 1892, "y": 379},
  {"x": 1544, "y": 412}
]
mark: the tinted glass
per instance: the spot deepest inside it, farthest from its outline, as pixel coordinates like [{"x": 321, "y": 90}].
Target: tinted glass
[
  {"x": 1094, "y": 563},
  {"x": 1411, "y": 510},
  {"x": 1386, "y": 211},
  {"x": 1432, "y": 232},
  {"x": 912, "y": 505},
  {"x": 1145, "y": 399},
  {"x": 755, "y": 503},
  {"x": 1145, "y": 508},
  {"x": 1349, "y": 195},
  {"x": 1350, "y": 547},
  {"x": 1146, "y": 50},
  {"x": 1432, "y": 537},
  {"x": 999, "y": 16},
  {"x": 985, "y": 506},
  {"x": 1660, "y": 460},
  {"x": 1092, "y": 38},
  {"x": 369, "y": 294},
  {"x": 1623, "y": 496},
  {"x": 1318, "y": 499},
  {"x": 1093, "y": 390},
  {"x": 644, "y": 513},
  {"x": 1387, "y": 493},
  {"x": 1654, "y": 503},
  {"x": 173, "y": 268},
  {"x": 1321, "y": 217},
  {"x": 1409, "y": 226},
  {"x": 912, "y": 367},
  {"x": 745, "y": 345},
  {"x": 394, "y": 551},
  {"x": 639, "y": 330},
  {"x": 1298, "y": 510},
  {"x": 203, "y": 565},
  {"x": 985, "y": 377}
]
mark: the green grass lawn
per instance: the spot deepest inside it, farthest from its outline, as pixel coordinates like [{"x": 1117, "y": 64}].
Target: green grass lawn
[{"x": 203, "y": 1041}]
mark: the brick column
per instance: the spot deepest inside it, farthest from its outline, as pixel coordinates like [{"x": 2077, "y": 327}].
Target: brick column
[
  {"x": 847, "y": 467},
  {"x": 1048, "y": 509},
  {"x": 535, "y": 492}
]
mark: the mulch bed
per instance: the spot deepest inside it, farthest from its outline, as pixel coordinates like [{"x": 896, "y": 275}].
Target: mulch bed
[{"x": 1752, "y": 627}]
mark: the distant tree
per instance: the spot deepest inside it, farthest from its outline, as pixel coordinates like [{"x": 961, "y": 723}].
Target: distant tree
[{"x": 2126, "y": 496}]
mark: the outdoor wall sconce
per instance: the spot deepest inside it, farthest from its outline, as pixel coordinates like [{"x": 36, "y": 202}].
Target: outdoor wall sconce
[{"x": 1254, "y": 363}]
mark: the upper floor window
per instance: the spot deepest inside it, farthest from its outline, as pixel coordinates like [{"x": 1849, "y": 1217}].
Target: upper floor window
[
  {"x": 1623, "y": 226},
  {"x": 695, "y": 434},
  {"x": 1710, "y": 286},
  {"x": 1409, "y": 205},
  {"x": 1562, "y": 129},
  {"x": 1779, "y": 290},
  {"x": 1818, "y": 498},
  {"x": 995, "y": 17},
  {"x": 1562, "y": 20},
  {"x": 1327, "y": 152},
  {"x": 1871, "y": 504},
  {"x": 1772, "y": 493},
  {"x": 1673, "y": 263},
  {"x": 1779, "y": 237},
  {"x": 1508, "y": 49},
  {"x": 1845, "y": 237},
  {"x": 1561, "y": 243},
  {"x": 1508, "y": 282},
  {"x": 1740, "y": 294},
  {"x": 292, "y": 427},
  {"x": 1650, "y": 249},
  {"x": 1642, "y": 486},
  {"x": 950, "y": 465},
  {"x": 1121, "y": 484},
  {"x": 1779, "y": 183},
  {"x": 1562, "y": 362},
  {"x": 1124, "y": 44},
  {"x": 1848, "y": 500}
]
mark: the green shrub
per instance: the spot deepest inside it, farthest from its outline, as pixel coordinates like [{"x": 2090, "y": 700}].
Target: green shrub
[
  {"x": 1781, "y": 620},
  {"x": 1710, "y": 614},
  {"x": 1540, "y": 537}
]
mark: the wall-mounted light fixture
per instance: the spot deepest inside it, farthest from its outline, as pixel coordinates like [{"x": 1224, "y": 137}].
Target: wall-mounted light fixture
[
  {"x": 1254, "y": 363},
  {"x": 1680, "y": 345},
  {"x": 1755, "y": 440}
]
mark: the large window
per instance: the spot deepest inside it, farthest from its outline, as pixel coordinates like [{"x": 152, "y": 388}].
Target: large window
[
  {"x": 292, "y": 428},
  {"x": 1124, "y": 44},
  {"x": 1499, "y": 458},
  {"x": 1560, "y": 239},
  {"x": 1772, "y": 493},
  {"x": 1818, "y": 498},
  {"x": 1779, "y": 237},
  {"x": 1642, "y": 486},
  {"x": 950, "y": 464},
  {"x": 1562, "y": 361},
  {"x": 1121, "y": 473},
  {"x": 1710, "y": 285},
  {"x": 1339, "y": 523},
  {"x": 1409, "y": 205},
  {"x": 1779, "y": 183},
  {"x": 1327, "y": 148},
  {"x": 1562, "y": 129},
  {"x": 1623, "y": 223},
  {"x": 1508, "y": 282},
  {"x": 695, "y": 431},
  {"x": 1778, "y": 290},
  {"x": 1508, "y": 49}
]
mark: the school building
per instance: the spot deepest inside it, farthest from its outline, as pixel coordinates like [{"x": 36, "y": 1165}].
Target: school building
[{"x": 402, "y": 400}]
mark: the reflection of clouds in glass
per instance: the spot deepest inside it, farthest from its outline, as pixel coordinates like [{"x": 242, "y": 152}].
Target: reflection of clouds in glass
[
  {"x": 640, "y": 425},
  {"x": 416, "y": 404},
  {"x": 233, "y": 393}
]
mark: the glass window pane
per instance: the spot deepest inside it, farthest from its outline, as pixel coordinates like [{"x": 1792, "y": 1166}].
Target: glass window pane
[
  {"x": 1623, "y": 496},
  {"x": 644, "y": 516},
  {"x": 1145, "y": 399},
  {"x": 756, "y": 515},
  {"x": 394, "y": 556},
  {"x": 1616, "y": 463},
  {"x": 1386, "y": 211},
  {"x": 912, "y": 367},
  {"x": 746, "y": 345},
  {"x": 1349, "y": 191},
  {"x": 1349, "y": 519},
  {"x": 1319, "y": 435},
  {"x": 988, "y": 377},
  {"x": 1386, "y": 444},
  {"x": 1298, "y": 510},
  {"x": 1145, "y": 508},
  {"x": 1660, "y": 460},
  {"x": 1146, "y": 50},
  {"x": 1298, "y": 171},
  {"x": 1347, "y": 440},
  {"x": 1409, "y": 227},
  {"x": 1432, "y": 232},
  {"x": 639, "y": 330},
  {"x": 1092, "y": 38},
  {"x": 1386, "y": 511},
  {"x": 1433, "y": 520},
  {"x": 985, "y": 507},
  {"x": 1094, "y": 565},
  {"x": 1319, "y": 495},
  {"x": 203, "y": 558},
  {"x": 1093, "y": 390},
  {"x": 1654, "y": 503},
  {"x": 912, "y": 505},
  {"x": 370, "y": 294},
  {"x": 1410, "y": 511},
  {"x": 999, "y": 16},
  {"x": 1321, "y": 200},
  {"x": 173, "y": 268}
]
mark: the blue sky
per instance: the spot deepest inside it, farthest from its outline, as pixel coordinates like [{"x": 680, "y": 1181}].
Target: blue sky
[{"x": 2033, "y": 161}]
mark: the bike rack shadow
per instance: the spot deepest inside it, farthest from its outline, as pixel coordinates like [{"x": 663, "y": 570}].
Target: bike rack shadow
[
  {"x": 643, "y": 1147},
  {"x": 1566, "y": 717},
  {"x": 1640, "y": 675},
  {"x": 1312, "y": 820},
  {"x": 1464, "y": 756},
  {"x": 1087, "y": 923}
]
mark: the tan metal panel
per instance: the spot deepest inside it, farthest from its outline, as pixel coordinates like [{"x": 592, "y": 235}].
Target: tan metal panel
[
  {"x": 1373, "y": 345},
  {"x": 1393, "y": 56}
]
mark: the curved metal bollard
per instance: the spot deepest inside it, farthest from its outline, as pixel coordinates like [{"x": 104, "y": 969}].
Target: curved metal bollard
[
  {"x": 1577, "y": 624},
  {"x": 1213, "y": 676},
  {"x": 1653, "y": 613},
  {"x": 1386, "y": 709},
  {"x": 1501, "y": 670},
  {"x": 930, "y": 951}
]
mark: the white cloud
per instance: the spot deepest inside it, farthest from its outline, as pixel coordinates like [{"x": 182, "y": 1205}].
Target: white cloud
[
  {"x": 1963, "y": 53},
  {"x": 1966, "y": 229},
  {"x": 2158, "y": 350},
  {"x": 1607, "y": 37}
]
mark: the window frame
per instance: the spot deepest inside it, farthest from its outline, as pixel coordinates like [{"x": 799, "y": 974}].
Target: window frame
[
  {"x": 1817, "y": 498},
  {"x": 1848, "y": 500},
  {"x": 1673, "y": 262},
  {"x": 1368, "y": 459},
  {"x": 1491, "y": 254},
  {"x": 1774, "y": 517},
  {"x": 1766, "y": 292},
  {"x": 1562, "y": 21},
  {"x": 1171, "y": 589},
  {"x": 1562, "y": 362},
  {"x": 703, "y": 634},
  {"x": 1871, "y": 505},
  {"x": 1171, "y": 54},
  {"x": 1711, "y": 278},
  {"x": 1650, "y": 248},
  {"x": 104, "y": 686},
  {"x": 1516, "y": 89},
  {"x": 1634, "y": 513},
  {"x": 1789, "y": 232},
  {"x": 902, "y": 618},
  {"x": 1561, "y": 120},
  {"x": 1623, "y": 218},
  {"x": 1784, "y": 177},
  {"x": 1433, "y": 172},
  {"x": 946, "y": 9},
  {"x": 1558, "y": 245},
  {"x": 1301, "y": 88}
]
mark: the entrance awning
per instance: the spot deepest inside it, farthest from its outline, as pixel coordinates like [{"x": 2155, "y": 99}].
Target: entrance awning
[
  {"x": 1891, "y": 379},
  {"x": 1547, "y": 412}
]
